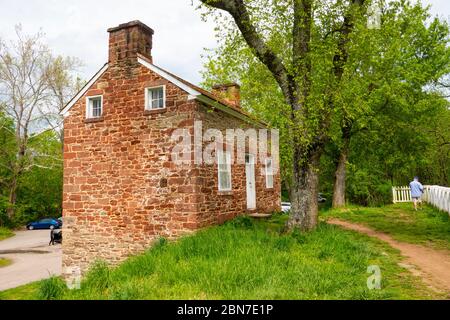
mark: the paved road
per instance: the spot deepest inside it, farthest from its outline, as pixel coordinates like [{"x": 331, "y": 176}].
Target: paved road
[{"x": 33, "y": 259}]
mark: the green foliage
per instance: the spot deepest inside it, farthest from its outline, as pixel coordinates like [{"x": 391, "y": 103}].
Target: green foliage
[
  {"x": 40, "y": 189},
  {"x": 4, "y": 262},
  {"x": 5, "y": 233},
  {"x": 39, "y": 192},
  {"x": 387, "y": 98},
  {"x": 99, "y": 277},
  {"x": 365, "y": 187},
  {"x": 51, "y": 289},
  {"x": 25, "y": 292},
  {"x": 30, "y": 124}
]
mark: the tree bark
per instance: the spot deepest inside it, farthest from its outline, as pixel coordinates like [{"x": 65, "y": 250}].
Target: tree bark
[
  {"x": 339, "y": 61},
  {"x": 340, "y": 178},
  {"x": 304, "y": 193},
  {"x": 12, "y": 199},
  {"x": 340, "y": 174}
]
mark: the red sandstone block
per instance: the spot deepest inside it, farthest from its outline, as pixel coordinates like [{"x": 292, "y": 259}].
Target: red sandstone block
[
  {"x": 190, "y": 225},
  {"x": 94, "y": 92},
  {"x": 70, "y": 155},
  {"x": 75, "y": 197}
]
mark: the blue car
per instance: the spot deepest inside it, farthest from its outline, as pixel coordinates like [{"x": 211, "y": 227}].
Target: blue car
[{"x": 47, "y": 223}]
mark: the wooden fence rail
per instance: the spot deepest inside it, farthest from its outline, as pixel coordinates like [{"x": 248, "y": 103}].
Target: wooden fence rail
[
  {"x": 401, "y": 194},
  {"x": 435, "y": 195}
]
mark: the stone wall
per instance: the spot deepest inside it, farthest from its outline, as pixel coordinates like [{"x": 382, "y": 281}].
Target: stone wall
[
  {"x": 121, "y": 189},
  {"x": 216, "y": 207}
]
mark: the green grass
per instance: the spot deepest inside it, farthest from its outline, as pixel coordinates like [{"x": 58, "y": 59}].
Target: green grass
[
  {"x": 429, "y": 226},
  {"x": 5, "y": 233},
  {"x": 4, "y": 262},
  {"x": 244, "y": 259},
  {"x": 26, "y": 292}
]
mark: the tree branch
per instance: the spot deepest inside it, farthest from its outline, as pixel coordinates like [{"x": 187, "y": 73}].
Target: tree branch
[
  {"x": 301, "y": 37},
  {"x": 239, "y": 12}
]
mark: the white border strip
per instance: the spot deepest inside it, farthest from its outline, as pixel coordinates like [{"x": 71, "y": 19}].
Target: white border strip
[{"x": 88, "y": 85}]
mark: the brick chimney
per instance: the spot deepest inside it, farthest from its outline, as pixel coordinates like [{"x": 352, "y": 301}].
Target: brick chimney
[
  {"x": 230, "y": 92},
  {"x": 129, "y": 39}
]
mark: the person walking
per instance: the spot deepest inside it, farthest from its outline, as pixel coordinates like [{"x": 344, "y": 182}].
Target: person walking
[{"x": 416, "y": 192}]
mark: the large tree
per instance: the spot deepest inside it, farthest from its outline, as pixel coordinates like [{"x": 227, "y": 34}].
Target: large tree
[
  {"x": 408, "y": 53},
  {"x": 348, "y": 85},
  {"x": 307, "y": 69},
  {"x": 34, "y": 85}
]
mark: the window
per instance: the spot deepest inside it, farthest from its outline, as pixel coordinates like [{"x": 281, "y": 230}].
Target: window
[
  {"x": 155, "y": 98},
  {"x": 224, "y": 168},
  {"x": 94, "y": 107},
  {"x": 269, "y": 173}
]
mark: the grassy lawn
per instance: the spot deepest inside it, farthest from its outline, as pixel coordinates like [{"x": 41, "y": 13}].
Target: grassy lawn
[
  {"x": 429, "y": 226},
  {"x": 26, "y": 292},
  {"x": 4, "y": 262},
  {"x": 5, "y": 233},
  {"x": 244, "y": 259}
]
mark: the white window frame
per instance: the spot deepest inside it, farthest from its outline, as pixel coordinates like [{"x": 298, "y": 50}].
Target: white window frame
[
  {"x": 147, "y": 97},
  {"x": 227, "y": 154},
  {"x": 269, "y": 184},
  {"x": 90, "y": 109}
]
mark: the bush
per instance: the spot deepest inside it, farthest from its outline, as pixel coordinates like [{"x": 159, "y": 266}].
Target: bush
[
  {"x": 51, "y": 289},
  {"x": 98, "y": 277},
  {"x": 367, "y": 189},
  {"x": 5, "y": 233},
  {"x": 244, "y": 222}
]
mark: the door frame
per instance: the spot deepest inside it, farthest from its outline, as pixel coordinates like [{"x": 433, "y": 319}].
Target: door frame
[{"x": 250, "y": 188}]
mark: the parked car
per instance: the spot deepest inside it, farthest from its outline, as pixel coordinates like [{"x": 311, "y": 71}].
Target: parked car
[
  {"x": 47, "y": 223},
  {"x": 321, "y": 198},
  {"x": 285, "y": 206}
]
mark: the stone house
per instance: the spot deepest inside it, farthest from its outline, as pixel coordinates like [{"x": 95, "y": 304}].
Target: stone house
[{"x": 122, "y": 186}]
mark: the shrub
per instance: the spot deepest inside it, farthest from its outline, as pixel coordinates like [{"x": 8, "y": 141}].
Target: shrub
[
  {"x": 98, "y": 277},
  {"x": 244, "y": 222},
  {"x": 51, "y": 289}
]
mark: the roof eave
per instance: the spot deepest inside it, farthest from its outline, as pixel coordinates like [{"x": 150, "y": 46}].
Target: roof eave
[
  {"x": 215, "y": 104},
  {"x": 65, "y": 111}
]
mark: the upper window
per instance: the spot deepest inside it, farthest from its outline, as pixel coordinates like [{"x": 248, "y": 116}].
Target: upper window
[
  {"x": 224, "y": 168},
  {"x": 155, "y": 98},
  {"x": 269, "y": 173},
  {"x": 94, "y": 107}
]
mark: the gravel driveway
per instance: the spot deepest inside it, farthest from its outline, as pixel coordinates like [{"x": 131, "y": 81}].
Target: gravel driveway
[{"x": 32, "y": 258}]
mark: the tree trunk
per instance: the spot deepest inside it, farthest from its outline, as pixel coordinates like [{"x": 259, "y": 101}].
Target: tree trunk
[
  {"x": 340, "y": 174},
  {"x": 17, "y": 172},
  {"x": 304, "y": 194},
  {"x": 10, "y": 211},
  {"x": 340, "y": 177}
]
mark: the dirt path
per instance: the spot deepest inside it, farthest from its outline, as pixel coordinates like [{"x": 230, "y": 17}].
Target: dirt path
[{"x": 432, "y": 265}]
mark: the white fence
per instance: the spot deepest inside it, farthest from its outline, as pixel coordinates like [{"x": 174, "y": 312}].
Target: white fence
[
  {"x": 434, "y": 195},
  {"x": 401, "y": 194},
  {"x": 438, "y": 197}
]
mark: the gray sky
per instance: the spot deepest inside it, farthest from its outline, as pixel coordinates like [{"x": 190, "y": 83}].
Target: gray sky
[{"x": 78, "y": 28}]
